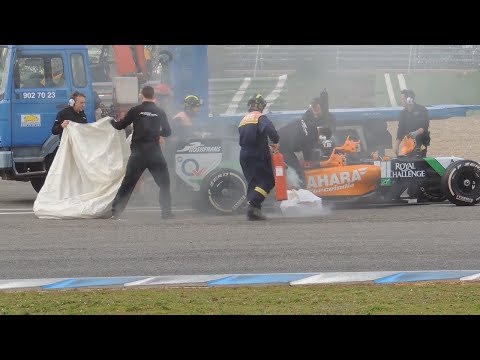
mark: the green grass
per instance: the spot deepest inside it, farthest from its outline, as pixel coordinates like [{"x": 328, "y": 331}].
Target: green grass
[{"x": 418, "y": 298}]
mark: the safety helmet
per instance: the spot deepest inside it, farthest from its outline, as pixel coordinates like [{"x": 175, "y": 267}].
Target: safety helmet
[
  {"x": 326, "y": 146},
  {"x": 192, "y": 100},
  {"x": 162, "y": 90},
  {"x": 257, "y": 100}
]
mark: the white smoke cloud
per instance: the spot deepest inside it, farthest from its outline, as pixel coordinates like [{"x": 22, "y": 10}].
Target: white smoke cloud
[{"x": 293, "y": 180}]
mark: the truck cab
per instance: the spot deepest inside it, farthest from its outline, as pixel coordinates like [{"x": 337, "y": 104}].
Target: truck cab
[{"x": 36, "y": 82}]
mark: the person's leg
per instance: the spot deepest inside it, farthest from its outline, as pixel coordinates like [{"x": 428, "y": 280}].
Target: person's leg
[
  {"x": 248, "y": 173},
  {"x": 264, "y": 183},
  {"x": 135, "y": 168},
  {"x": 159, "y": 170},
  {"x": 248, "y": 165}
]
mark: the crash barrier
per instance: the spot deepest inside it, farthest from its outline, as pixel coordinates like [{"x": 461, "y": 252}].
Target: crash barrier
[
  {"x": 369, "y": 124},
  {"x": 342, "y": 57},
  {"x": 375, "y": 277}
]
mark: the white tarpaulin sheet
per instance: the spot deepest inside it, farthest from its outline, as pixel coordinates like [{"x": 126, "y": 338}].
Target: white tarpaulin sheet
[
  {"x": 301, "y": 203},
  {"x": 86, "y": 173}
]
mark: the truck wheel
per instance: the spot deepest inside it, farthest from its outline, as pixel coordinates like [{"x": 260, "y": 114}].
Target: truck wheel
[
  {"x": 226, "y": 191},
  {"x": 461, "y": 183}
]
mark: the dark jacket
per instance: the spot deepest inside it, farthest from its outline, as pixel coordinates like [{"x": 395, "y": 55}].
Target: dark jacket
[
  {"x": 149, "y": 123},
  {"x": 67, "y": 114},
  {"x": 302, "y": 134},
  {"x": 412, "y": 120},
  {"x": 255, "y": 129}
]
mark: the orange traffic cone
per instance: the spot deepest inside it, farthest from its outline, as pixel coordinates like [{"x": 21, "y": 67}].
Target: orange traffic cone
[{"x": 280, "y": 176}]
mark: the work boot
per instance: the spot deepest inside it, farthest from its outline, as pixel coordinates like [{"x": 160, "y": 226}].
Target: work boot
[
  {"x": 115, "y": 216},
  {"x": 167, "y": 215},
  {"x": 254, "y": 213}
]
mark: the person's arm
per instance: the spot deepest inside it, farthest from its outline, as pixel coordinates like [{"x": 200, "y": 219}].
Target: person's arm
[
  {"x": 165, "y": 129},
  {"x": 400, "y": 133},
  {"x": 176, "y": 130},
  {"x": 267, "y": 126},
  {"x": 310, "y": 141},
  {"x": 57, "y": 128},
  {"x": 264, "y": 124},
  {"x": 423, "y": 122},
  {"x": 307, "y": 153},
  {"x": 327, "y": 128},
  {"x": 127, "y": 120}
]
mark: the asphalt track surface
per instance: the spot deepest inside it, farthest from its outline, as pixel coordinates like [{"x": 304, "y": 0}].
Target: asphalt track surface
[{"x": 383, "y": 238}]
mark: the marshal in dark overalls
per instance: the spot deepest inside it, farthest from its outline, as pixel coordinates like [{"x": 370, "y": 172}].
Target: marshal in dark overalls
[{"x": 255, "y": 129}]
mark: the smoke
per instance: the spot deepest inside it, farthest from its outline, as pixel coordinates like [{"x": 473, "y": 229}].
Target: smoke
[
  {"x": 303, "y": 203},
  {"x": 146, "y": 193},
  {"x": 293, "y": 180}
]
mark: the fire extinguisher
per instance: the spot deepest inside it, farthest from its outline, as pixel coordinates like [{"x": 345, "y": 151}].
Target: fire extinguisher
[{"x": 280, "y": 176}]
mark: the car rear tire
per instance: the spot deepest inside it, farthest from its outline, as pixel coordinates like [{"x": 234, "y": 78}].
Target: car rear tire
[
  {"x": 461, "y": 183},
  {"x": 226, "y": 191}
]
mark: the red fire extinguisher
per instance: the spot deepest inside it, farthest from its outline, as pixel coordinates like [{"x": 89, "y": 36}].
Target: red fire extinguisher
[{"x": 280, "y": 176}]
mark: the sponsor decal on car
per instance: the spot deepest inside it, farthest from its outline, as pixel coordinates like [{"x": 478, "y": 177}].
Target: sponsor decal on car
[
  {"x": 406, "y": 170},
  {"x": 239, "y": 202},
  {"x": 400, "y": 170},
  {"x": 336, "y": 181},
  {"x": 191, "y": 167},
  {"x": 199, "y": 147},
  {"x": 463, "y": 198},
  {"x": 220, "y": 175}
]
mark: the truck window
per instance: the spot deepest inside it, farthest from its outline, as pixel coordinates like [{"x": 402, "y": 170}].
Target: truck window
[
  {"x": 3, "y": 70},
  {"x": 31, "y": 71},
  {"x": 78, "y": 70},
  {"x": 55, "y": 75},
  {"x": 39, "y": 71}
]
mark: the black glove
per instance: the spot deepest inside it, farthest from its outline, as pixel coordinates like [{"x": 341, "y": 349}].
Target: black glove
[{"x": 113, "y": 122}]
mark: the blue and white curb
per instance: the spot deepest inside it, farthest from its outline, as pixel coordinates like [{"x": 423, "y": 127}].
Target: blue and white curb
[{"x": 376, "y": 277}]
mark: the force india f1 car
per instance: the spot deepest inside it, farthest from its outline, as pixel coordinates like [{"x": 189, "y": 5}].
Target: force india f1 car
[{"x": 210, "y": 168}]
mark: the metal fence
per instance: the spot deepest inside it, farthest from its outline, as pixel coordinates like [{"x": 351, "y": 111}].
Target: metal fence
[{"x": 264, "y": 60}]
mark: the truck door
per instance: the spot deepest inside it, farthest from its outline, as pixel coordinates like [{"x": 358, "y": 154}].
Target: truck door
[
  {"x": 44, "y": 82},
  {"x": 41, "y": 89}
]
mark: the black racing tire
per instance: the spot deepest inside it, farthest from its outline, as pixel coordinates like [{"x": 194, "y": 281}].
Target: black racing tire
[
  {"x": 461, "y": 183},
  {"x": 225, "y": 191}
]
